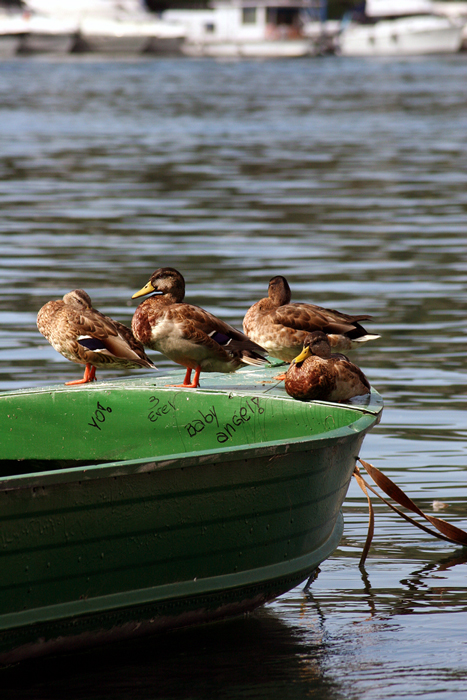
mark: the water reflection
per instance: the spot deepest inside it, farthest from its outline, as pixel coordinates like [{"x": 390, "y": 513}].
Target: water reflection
[
  {"x": 258, "y": 656},
  {"x": 290, "y": 649}
]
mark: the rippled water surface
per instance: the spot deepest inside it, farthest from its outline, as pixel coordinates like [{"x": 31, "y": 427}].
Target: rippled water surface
[{"x": 347, "y": 176}]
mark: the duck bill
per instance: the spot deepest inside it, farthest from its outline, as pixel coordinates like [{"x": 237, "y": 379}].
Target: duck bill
[
  {"x": 147, "y": 289},
  {"x": 305, "y": 353}
]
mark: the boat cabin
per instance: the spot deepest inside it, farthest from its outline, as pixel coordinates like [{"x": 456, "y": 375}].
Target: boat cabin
[{"x": 247, "y": 20}]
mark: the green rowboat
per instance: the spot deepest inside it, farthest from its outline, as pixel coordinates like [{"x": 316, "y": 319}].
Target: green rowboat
[{"x": 129, "y": 507}]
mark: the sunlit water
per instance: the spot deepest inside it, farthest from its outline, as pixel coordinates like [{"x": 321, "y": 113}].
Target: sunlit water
[{"x": 347, "y": 176}]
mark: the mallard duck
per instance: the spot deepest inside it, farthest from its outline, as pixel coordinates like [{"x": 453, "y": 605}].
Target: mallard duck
[
  {"x": 187, "y": 334},
  {"x": 280, "y": 327},
  {"x": 318, "y": 374},
  {"x": 84, "y": 335}
]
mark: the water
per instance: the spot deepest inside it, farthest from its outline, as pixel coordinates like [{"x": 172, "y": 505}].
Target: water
[{"x": 347, "y": 176}]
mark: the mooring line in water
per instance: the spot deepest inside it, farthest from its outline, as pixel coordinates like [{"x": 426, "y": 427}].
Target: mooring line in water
[
  {"x": 446, "y": 531},
  {"x": 371, "y": 515}
]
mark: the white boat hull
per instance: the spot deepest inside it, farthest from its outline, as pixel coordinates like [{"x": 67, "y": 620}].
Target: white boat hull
[
  {"x": 127, "y": 37},
  {"x": 25, "y": 33},
  {"x": 43, "y": 42},
  {"x": 249, "y": 49},
  {"x": 108, "y": 44},
  {"x": 401, "y": 37}
]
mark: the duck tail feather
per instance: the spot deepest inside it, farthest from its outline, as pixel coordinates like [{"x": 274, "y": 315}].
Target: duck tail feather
[
  {"x": 365, "y": 338},
  {"x": 253, "y": 358}
]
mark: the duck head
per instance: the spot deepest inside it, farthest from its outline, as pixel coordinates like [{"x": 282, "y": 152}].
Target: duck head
[
  {"x": 315, "y": 343},
  {"x": 164, "y": 281},
  {"x": 78, "y": 299},
  {"x": 279, "y": 291}
]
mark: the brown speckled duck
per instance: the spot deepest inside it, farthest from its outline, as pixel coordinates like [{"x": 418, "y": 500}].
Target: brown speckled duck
[
  {"x": 317, "y": 374},
  {"x": 187, "y": 334},
  {"x": 85, "y": 336},
  {"x": 280, "y": 327}
]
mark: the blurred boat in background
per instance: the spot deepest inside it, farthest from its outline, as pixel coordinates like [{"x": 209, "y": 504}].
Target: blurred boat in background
[
  {"x": 120, "y": 36},
  {"x": 46, "y": 34},
  {"x": 100, "y": 26},
  {"x": 457, "y": 12},
  {"x": 234, "y": 28},
  {"x": 250, "y": 28},
  {"x": 107, "y": 26},
  {"x": 23, "y": 30},
  {"x": 12, "y": 29},
  {"x": 398, "y": 28}
]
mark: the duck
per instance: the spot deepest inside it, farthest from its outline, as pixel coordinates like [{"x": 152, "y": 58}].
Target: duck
[
  {"x": 83, "y": 335},
  {"x": 281, "y": 327},
  {"x": 187, "y": 334},
  {"x": 318, "y": 374}
]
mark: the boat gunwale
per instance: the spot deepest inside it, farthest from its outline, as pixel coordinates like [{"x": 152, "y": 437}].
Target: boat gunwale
[
  {"x": 374, "y": 405},
  {"x": 102, "y": 470}
]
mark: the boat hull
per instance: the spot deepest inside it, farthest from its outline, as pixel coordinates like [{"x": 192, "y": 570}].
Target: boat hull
[
  {"x": 110, "y": 44},
  {"x": 401, "y": 37},
  {"x": 250, "y": 49},
  {"x": 108, "y": 36},
  {"x": 46, "y": 42},
  {"x": 111, "y": 550}
]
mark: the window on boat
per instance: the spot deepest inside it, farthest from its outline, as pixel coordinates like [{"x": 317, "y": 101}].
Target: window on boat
[
  {"x": 282, "y": 15},
  {"x": 249, "y": 15},
  {"x": 209, "y": 27}
]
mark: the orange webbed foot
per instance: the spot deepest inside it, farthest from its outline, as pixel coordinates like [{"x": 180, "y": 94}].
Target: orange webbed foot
[
  {"x": 89, "y": 376},
  {"x": 186, "y": 382}
]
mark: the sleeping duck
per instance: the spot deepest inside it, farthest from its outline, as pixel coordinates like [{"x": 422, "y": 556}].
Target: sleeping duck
[
  {"x": 318, "y": 374},
  {"x": 187, "y": 334},
  {"x": 280, "y": 327},
  {"x": 85, "y": 336}
]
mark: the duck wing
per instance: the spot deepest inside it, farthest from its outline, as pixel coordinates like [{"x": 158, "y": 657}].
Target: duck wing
[
  {"x": 308, "y": 317},
  {"x": 203, "y": 328},
  {"x": 350, "y": 378},
  {"x": 96, "y": 333}
]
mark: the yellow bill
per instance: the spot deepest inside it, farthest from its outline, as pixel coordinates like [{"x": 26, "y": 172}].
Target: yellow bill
[
  {"x": 305, "y": 353},
  {"x": 147, "y": 289}
]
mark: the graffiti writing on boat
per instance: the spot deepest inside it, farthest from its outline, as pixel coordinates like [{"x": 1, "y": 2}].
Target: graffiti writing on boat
[
  {"x": 99, "y": 415},
  {"x": 225, "y": 430},
  {"x": 158, "y": 408}
]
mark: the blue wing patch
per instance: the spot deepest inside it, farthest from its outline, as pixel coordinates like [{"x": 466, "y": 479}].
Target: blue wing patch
[
  {"x": 220, "y": 338},
  {"x": 93, "y": 344}
]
